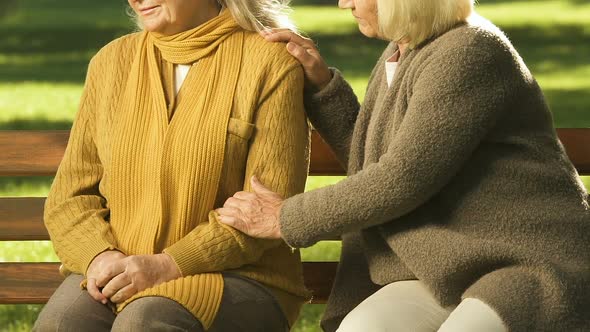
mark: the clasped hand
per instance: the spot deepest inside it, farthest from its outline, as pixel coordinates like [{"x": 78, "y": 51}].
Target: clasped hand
[{"x": 115, "y": 276}]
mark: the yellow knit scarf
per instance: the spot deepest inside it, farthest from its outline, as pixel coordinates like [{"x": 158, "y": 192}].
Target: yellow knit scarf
[{"x": 217, "y": 46}]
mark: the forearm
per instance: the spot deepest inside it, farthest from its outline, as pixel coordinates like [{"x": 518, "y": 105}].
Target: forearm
[
  {"x": 75, "y": 211},
  {"x": 214, "y": 247},
  {"x": 448, "y": 116},
  {"x": 333, "y": 112},
  {"x": 79, "y": 235}
]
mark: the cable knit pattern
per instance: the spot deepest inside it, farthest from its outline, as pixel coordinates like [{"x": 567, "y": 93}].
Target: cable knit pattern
[
  {"x": 150, "y": 206},
  {"x": 457, "y": 179}
]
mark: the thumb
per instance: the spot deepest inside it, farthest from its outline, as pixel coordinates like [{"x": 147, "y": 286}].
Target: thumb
[{"x": 257, "y": 186}]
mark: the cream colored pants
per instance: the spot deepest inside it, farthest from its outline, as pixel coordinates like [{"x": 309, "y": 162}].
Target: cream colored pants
[{"x": 409, "y": 306}]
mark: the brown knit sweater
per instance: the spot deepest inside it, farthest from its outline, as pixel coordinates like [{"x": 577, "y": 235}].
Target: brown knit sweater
[{"x": 457, "y": 179}]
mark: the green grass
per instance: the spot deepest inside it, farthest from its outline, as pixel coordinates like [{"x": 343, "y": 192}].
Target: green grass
[{"x": 45, "y": 46}]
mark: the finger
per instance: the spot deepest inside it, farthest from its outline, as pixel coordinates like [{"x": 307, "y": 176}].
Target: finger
[
  {"x": 228, "y": 212},
  {"x": 244, "y": 195},
  {"x": 124, "y": 294},
  {"x": 94, "y": 292},
  {"x": 302, "y": 55},
  {"x": 287, "y": 36},
  {"x": 234, "y": 203},
  {"x": 230, "y": 221},
  {"x": 110, "y": 272},
  {"x": 115, "y": 284}
]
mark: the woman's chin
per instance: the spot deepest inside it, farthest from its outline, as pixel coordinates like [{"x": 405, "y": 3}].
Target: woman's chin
[{"x": 368, "y": 32}]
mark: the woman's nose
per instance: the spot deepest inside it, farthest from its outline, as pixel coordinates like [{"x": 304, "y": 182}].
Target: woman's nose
[{"x": 346, "y": 4}]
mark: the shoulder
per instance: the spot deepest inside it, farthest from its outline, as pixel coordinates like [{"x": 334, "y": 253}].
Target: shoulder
[
  {"x": 471, "y": 52},
  {"x": 268, "y": 56},
  {"x": 118, "y": 52},
  {"x": 478, "y": 39}
]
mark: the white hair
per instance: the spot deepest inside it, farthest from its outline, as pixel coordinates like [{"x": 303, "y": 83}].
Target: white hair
[
  {"x": 415, "y": 21},
  {"x": 257, "y": 15}
]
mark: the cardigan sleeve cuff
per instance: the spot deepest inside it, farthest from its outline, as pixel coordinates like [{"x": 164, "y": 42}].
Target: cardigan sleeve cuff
[
  {"x": 90, "y": 250},
  {"x": 297, "y": 230}
]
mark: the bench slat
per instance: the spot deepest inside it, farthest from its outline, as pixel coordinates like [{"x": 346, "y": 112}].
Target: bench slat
[
  {"x": 21, "y": 219},
  {"x": 38, "y": 153},
  {"x": 23, "y": 283},
  {"x": 31, "y": 152},
  {"x": 577, "y": 145},
  {"x": 28, "y": 282}
]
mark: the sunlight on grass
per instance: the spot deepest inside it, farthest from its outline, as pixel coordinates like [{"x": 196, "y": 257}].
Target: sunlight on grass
[
  {"x": 322, "y": 251},
  {"x": 25, "y": 186},
  {"x": 38, "y": 101},
  {"x": 314, "y": 182},
  {"x": 27, "y": 251},
  {"x": 538, "y": 13},
  {"x": 327, "y": 20}
]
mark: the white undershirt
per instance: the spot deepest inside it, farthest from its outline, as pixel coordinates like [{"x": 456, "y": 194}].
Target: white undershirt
[
  {"x": 391, "y": 67},
  {"x": 180, "y": 72}
]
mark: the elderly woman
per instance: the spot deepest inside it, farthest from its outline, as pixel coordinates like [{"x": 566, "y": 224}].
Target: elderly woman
[
  {"x": 461, "y": 211},
  {"x": 174, "y": 120}
]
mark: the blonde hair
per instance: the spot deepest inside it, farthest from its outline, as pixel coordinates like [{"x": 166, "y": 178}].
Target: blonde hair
[
  {"x": 253, "y": 15},
  {"x": 415, "y": 21}
]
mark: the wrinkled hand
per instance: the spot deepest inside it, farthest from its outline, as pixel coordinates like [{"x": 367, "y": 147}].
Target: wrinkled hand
[
  {"x": 256, "y": 213},
  {"x": 96, "y": 275},
  {"x": 131, "y": 275},
  {"x": 304, "y": 50}
]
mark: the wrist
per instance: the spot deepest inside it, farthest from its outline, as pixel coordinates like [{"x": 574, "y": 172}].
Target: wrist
[
  {"x": 326, "y": 81},
  {"x": 170, "y": 266}
]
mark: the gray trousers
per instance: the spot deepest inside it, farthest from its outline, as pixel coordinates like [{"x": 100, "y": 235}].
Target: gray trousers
[{"x": 245, "y": 306}]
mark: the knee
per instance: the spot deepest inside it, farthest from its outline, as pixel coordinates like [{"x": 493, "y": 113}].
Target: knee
[
  {"x": 136, "y": 315},
  {"x": 58, "y": 321},
  {"x": 155, "y": 314}
]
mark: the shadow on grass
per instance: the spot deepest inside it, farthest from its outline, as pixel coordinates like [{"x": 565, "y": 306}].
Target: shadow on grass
[
  {"x": 53, "y": 50},
  {"x": 35, "y": 124},
  {"x": 571, "y": 108}
]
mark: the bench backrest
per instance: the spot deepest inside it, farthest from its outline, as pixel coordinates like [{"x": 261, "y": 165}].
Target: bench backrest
[{"x": 38, "y": 153}]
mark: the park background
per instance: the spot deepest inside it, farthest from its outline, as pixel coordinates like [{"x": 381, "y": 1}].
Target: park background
[{"x": 45, "y": 46}]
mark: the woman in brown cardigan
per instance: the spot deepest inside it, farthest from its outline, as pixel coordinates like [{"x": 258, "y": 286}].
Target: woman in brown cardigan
[{"x": 461, "y": 211}]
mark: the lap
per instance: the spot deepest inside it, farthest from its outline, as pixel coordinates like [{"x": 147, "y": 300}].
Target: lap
[
  {"x": 245, "y": 306},
  {"x": 399, "y": 306},
  {"x": 410, "y": 306},
  {"x": 71, "y": 309}
]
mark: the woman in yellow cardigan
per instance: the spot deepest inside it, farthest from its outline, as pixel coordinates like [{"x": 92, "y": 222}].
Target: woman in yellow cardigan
[{"x": 173, "y": 120}]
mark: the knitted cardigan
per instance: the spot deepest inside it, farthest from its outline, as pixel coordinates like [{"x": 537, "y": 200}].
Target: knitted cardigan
[
  {"x": 456, "y": 179},
  {"x": 267, "y": 136}
]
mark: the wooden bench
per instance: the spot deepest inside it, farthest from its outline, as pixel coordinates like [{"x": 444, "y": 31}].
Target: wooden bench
[{"x": 38, "y": 153}]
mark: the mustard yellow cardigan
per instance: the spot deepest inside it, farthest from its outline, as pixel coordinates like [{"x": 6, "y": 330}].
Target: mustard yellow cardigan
[{"x": 267, "y": 136}]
